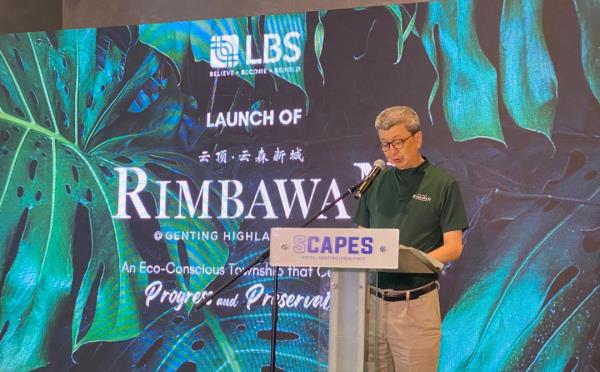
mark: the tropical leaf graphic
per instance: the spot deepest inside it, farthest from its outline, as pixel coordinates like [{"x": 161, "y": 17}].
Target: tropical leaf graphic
[
  {"x": 403, "y": 34},
  {"x": 319, "y": 40},
  {"x": 177, "y": 39},
  {"x": 62, "y": 138},
  {"x": 532, "y": 307},
  {"x": 282, "y": 25},
  {"x": 468, "y": 80},
  {"x": 588, "y": 12},
  {"x": 528, "y": 81},
  {"x": 236, "y": 341}
]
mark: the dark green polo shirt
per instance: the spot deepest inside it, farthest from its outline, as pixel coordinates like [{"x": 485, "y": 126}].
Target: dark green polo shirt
[{"x": 423, "y": 202}]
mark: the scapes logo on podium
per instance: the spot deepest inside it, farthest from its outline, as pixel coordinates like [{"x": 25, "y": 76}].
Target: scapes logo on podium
[{"x": 353, "y": 245}]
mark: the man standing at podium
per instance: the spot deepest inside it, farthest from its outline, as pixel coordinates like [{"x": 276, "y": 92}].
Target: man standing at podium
[{"x": 425, "y": 204}]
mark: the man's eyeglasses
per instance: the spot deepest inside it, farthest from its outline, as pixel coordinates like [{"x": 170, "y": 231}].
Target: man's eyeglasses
[{"x": 398, "y": 144}]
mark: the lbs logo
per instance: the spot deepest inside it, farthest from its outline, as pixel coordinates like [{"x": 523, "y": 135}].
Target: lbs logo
[
  {"x": 333, "y": 244},
  {"x": 225, "y": 50}
]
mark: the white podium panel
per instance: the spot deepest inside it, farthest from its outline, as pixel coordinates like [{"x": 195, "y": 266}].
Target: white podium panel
[
  {"x": 336, "y": 248},
  {"x": 347, "y": 320}
]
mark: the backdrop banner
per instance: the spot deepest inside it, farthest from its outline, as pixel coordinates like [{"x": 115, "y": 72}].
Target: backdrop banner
[{"x": 143, "y": 166}]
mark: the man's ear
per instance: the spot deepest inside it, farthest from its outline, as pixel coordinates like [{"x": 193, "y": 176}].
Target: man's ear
[{"x": 419, "y": 138}]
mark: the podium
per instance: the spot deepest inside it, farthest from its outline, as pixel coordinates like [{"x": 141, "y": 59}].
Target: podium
[{"x": 350, "y": 253}]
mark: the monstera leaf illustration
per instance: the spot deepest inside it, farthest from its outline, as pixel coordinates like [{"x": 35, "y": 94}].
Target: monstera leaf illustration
[
  {"x": 525, "y": 72},
  {"x": 468, "y": 79},
  {"x": 244, "y": 342},
  {"x": 523, "y": 51},
  {"x": 588, "y": 12},
  {"x": 232, "y": 340},
  {"x": 532, "y": 306},
  {"x": 202, "y": 39},
  {"x": 281, "y": 24},
  {"x": 64, "y": 131}
]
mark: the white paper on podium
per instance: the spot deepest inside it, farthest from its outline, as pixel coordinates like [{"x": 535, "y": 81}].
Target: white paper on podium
[{"x": 339, "y": 248}]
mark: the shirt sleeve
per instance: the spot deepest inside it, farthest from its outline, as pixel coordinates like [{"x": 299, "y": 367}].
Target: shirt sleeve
[
  {"x": 362, "y": 217},
  {"x": 453, "y": 216}
]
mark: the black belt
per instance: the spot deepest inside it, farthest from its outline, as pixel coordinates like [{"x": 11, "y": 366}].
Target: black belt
[{"x": 411, "y": 294}]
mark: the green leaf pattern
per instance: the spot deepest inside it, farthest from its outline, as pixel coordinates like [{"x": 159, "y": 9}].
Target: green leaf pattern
[
  {"x": 528, "y": 81},
  {"x": 319, "y": 40},
  {"x": 588, "y": 12},
  {"x": 61, "y": 136},
  {"x": 467, "y": 78},
  {"x": 282, "y": 24}
]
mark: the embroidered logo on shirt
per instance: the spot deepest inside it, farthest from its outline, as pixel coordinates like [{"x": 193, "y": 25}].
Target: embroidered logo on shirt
[{"x": 421, "y": 197}]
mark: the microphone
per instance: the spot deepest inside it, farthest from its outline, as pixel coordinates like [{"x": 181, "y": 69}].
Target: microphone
[{"x": 368, "y": 180}]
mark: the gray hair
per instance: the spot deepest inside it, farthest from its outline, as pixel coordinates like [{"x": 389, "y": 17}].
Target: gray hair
[{"x": 395, "y": 115}]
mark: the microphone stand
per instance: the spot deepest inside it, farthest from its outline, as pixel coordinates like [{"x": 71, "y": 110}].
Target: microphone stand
[{"x": 261, "y": 259}]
